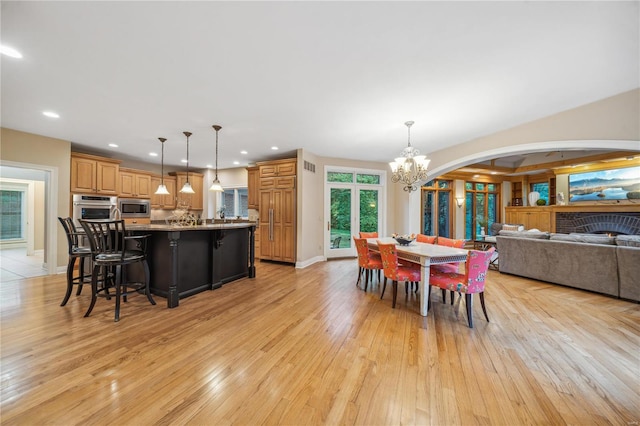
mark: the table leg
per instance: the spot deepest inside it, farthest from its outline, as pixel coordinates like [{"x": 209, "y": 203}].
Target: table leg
[{"x": 425, "y": 271}]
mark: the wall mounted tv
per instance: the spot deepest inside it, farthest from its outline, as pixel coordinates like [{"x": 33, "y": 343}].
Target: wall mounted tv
[{"x": 614, "y": 184}]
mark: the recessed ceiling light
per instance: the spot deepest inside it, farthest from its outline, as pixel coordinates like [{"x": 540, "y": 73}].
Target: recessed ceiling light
[
  {"x": 113, "y": 145},
  {"x": 183, "y": 161},
  {"x": 50, "y": 114},
  {"x": 153, "y": 154},
  {"x": 275, "y": 148},
  {"x": 476, "y": 176},
  {"x": 10, "y": 51},
  {"x": 243, "y": 152},
  {"x": 236, "y": 162},
  {"x": 209, "y": 166},
  {"x": 494, "y": 173}
]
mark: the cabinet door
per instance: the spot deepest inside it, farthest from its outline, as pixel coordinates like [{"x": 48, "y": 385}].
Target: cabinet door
[
  {"x": 253, "y": 188},
  {"x": 288, "y": 225},
  {"x": 143, "y": 186},
  {"x": 127, "y": 184},
  {"x": 83, "y": 175},
  {"x": 197, "y": 183},
  {"x": 107, "y": 179},
  {"x": 540, "y": 220},
  {"x": 169, "y": 201},
  {"x": 156, "y": 200}
]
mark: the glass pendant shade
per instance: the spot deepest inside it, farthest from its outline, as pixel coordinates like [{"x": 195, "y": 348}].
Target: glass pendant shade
[
  {"x": 162, "y": 189},
  {"x": 216, "y": 186},
  {"x": 186, "y": 188}
]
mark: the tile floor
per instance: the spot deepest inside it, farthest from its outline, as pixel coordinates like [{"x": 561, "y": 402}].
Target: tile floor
[{"x": 15, "y": 264}]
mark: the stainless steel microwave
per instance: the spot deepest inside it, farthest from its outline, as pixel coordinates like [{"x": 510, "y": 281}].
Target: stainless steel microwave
[{"x": 134, "y": 207}]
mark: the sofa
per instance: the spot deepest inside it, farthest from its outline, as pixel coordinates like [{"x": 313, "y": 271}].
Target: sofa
[{"x": 591, "y": 262}]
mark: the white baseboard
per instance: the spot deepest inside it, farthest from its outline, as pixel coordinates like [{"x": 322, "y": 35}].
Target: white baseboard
[{"x": 310, "y": 262}]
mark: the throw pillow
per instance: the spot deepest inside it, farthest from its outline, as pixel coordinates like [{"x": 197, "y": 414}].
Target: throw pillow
[
  {"x": 628, "y": 240},
  {"x": 510, "y": 228},
  {"x": 595, "y": 238}
]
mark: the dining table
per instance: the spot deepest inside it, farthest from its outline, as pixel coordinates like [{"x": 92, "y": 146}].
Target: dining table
[{"x": 425, "y": 255}]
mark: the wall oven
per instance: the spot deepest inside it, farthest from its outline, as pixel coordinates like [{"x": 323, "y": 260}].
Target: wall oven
[
  {"x": 93, "y": 207},
  {"x": 134, "y": 207}
]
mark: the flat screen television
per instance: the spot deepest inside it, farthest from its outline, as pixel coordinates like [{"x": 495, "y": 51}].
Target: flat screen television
[{"x": 602, "y": 185}]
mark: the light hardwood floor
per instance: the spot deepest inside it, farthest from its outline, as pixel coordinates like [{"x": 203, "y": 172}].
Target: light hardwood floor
[{"x": 308, "y": 347}]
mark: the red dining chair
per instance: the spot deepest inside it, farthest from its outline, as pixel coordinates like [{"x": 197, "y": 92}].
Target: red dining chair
[
  {"x": 394, "y": 271},
  {"x": 429, "y": 239},
  {"x": 368, "y": 235},
  {"x": 469, "y": 283},
  {"x": 367, "y": 261},
  {"x": 448, "y": 267}
]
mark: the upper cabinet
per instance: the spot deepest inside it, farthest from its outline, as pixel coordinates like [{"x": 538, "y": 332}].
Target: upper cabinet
[
  {"x": 253, "y": 187},
  {"x": 94, "y": 175},
  {"x": 193, "y": 201},
  {"x": 278, "y": 168},
  {"x": 135, "y": 183}
]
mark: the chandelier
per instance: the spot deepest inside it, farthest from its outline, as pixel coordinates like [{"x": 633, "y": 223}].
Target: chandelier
[{"x": 411, "y": 167}]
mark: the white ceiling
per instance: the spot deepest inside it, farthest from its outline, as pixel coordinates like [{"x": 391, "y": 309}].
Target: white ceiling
[{"x": 336, "y": 78}]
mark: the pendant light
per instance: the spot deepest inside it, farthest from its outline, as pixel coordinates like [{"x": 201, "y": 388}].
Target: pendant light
[
  {"x": 186, "y": 188},
  {"x": 162, "y": 189},
  {"x": 216, "y": 186}
]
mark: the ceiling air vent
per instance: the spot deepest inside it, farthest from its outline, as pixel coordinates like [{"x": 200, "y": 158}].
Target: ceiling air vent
[{"x": 309, "y": 166}]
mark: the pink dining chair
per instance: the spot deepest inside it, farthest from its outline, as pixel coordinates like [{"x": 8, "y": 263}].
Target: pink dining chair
[
  {"x": 367, "y": 261},
  {"x": 448, "y": 267},
  {"x": 469, "y": 283},
  {"x": 368, "y": 235},
  {"x": 394, "y": 271}
]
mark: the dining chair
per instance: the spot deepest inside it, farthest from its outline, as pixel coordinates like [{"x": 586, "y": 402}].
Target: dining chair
[
  {"x": 368, "y": 235},
  {"x": 76, "y": 251},
  {"x": 112, "y": 250},
  {"x": 429, "y": 239},
  {"x": 395, "y": 271},
  {"x": 470, "y": 282},
  {"x": 368, "y": 261}
]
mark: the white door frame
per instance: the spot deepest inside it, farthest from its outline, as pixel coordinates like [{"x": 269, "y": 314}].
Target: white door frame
[{"x": 51, "y": 211}]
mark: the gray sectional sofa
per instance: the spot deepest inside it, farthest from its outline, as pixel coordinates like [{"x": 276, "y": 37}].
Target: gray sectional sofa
[{"x": 594, "y": 263}]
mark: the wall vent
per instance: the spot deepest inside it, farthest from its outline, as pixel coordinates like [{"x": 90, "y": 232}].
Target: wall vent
[{"x": 309, "y": 166}]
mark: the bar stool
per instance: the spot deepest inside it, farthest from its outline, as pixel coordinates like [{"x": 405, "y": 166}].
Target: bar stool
[
  {"x": 75, "y": 252},
  {"x": 111, "y": 249}
]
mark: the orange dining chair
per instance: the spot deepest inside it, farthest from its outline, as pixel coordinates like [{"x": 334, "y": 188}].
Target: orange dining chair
[
  {"x": 469, "y": 283},
  {"x": 429, "y": 239},
  {"x": 367, "y": 261},
  {"x": 368, "y": 235},
  {"x": 394, "y": 271}
]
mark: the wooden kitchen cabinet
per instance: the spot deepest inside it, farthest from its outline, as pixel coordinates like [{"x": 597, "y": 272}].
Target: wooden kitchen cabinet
[
  {"x": 286, "y": 167},
  {"x": 277, "y": 224},
  {"x": 193, "y": 201},
  {"x": 253, "y": 187},
  {"x": 91, "y": 174},
  {"x": 166, "y": 202},
  {"x": 531, "y": 217},
  {"x": 135, "y": 183}
]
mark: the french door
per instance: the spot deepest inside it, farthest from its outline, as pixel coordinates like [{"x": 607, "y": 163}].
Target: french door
[{"x": 350, "y": 208}]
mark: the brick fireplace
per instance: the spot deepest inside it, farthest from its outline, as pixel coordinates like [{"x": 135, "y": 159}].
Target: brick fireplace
[{"x": 598, "y": 222}]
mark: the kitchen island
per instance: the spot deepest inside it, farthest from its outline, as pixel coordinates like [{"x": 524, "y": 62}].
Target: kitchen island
[{"x": 185, "y": 260}]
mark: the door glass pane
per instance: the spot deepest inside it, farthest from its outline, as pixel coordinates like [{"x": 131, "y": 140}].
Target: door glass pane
[
  {"x": 339, "y": 177},
  {"x": 243, "y": 200},
  {"x": 444, "y": 214},
  {"x": 492, "y": 210},
  {"x": 468, "y": 216},
  {"x": 11, "y": 214},
  {"x": 368, "y": 210},
  {"x": 480, "y": 216},
  {"x": 340, "y": 232}
]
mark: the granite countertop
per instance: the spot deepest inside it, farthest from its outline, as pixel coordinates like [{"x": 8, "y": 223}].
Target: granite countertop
[{"x": 173, "y": 228}]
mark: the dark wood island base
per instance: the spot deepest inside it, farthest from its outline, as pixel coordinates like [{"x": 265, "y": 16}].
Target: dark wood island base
[{"x": 186, "y": 260}]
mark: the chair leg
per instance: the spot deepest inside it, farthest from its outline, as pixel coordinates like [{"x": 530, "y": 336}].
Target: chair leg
[
  {"x": 70, "y": 265},
  {"x": 359, "y": 276},
  {"x": 428, "y": 297},
  {"x": 453, "y": 296},
  {"x": 81, "y": 278},
  {"x": 384, "y": 287},
  {"x": 395, "y": 293},
  {"x": 483, "y": 307},
  {"x": 118, "y": 291},
  {"x": 94, "y": 290},
  {"x": 367, "y": 277},
  {"x": 468, "y": 298},
  {"x": 444, "y": 295}
]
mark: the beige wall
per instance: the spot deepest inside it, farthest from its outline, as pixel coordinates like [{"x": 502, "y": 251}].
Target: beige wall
[
  {"x": 39, "y": 216},
  {"x": 21, "y": 147}
]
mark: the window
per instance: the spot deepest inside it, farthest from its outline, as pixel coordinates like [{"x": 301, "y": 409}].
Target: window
[
  {"x": 234, "y": 203},
  {"x": 482, "y": 207},
  {"x": 11, "y": 216},
  {"x": 542, "y": 188},
  {"x": 436, "y": 208}
]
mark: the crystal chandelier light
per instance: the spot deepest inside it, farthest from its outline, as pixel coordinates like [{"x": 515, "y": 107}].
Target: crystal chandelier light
[
  {"x": 186, "y": 188},
  {"x": 216, "y": 186},
  {"x": 162, "y": 189},
  {"x": 411, "y": 167}
]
